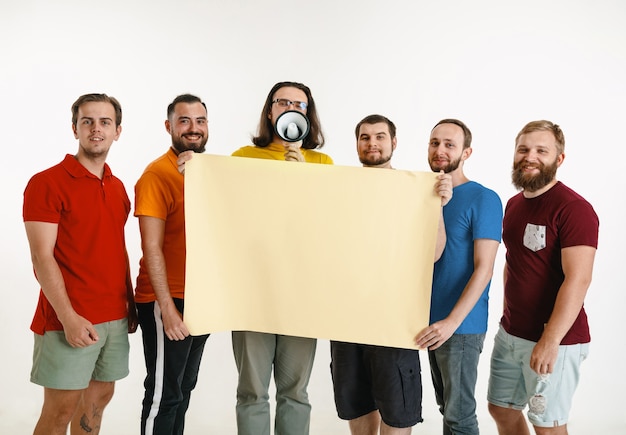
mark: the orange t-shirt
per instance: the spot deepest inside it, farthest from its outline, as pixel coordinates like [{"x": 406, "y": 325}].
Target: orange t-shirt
[{"x": 159, "y": 194}]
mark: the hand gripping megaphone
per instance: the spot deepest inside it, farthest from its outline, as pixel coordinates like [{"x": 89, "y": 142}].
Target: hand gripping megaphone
[{"x": 292, "y": 126}]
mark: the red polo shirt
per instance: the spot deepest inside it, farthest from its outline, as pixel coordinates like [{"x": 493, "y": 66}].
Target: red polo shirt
[{"x": 90, "y": 247}]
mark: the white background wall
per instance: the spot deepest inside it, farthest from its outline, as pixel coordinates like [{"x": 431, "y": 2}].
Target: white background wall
[{"x": 495, "y": 65}]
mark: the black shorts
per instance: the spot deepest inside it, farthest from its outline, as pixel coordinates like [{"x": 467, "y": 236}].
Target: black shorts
[{"x": 367, "y": 378}]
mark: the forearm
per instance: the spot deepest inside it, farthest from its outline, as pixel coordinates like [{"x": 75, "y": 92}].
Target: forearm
[
  {"x": 471, "y": 294},
  {"x": 485, "y": 251},
  {"x": 52, "y": 284},
  {"x": 154, "y": 261},
  {"x": 441, "y": 237},
  {"x": 443, "y": 189},
  {"x": 577, "y": 262},
  {"x": 130, "y": 293},
  {"x": 567, "y": 307}
]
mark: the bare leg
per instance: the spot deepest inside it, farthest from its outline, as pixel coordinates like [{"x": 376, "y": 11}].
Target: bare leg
[
  {"x": 509, "y": 421},
  {"x": 88, "y": 416},
  {"x": 388, "y": 430},
  {"x": 559, "y": 430},
  {"x": 367, "y": 424},
  {"x": 58, "y": 408}
]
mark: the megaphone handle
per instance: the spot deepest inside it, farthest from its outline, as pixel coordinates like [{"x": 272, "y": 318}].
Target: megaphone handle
[{"x": 293, "y": 153}]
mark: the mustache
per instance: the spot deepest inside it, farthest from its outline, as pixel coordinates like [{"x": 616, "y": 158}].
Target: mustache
[
  {"x": 522, "y": 164},
  {"x": 547, "y": 172}
]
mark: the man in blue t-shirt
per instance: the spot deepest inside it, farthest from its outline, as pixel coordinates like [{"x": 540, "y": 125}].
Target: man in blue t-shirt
[{"x": 460, "y": 294}]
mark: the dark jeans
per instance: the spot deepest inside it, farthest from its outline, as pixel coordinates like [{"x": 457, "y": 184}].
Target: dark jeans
[
  {"x": 454, "y": 369},
  {"x": 172, "y": 372}
]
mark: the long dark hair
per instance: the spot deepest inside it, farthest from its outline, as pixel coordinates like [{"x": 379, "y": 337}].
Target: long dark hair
[{"x": 265, "y": 134}]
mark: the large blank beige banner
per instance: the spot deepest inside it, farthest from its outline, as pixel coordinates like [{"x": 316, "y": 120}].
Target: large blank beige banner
[{"x": 341, "y": 253}]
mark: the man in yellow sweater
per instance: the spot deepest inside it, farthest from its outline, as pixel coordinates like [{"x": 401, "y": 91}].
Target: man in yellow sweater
[{"x": 256, "y": 353}]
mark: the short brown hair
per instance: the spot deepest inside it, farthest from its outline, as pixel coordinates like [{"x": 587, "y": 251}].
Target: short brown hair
[
  {"x": 99, "y": 98},
  {"x": 544, "y": 125},
  {"x": 375, "y": 119},
  {"x": 183, "y": 98},
  {"x": 467, "y": 134}
]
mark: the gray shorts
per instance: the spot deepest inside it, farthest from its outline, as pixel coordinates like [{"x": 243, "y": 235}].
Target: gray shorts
[
  {"x": 58, "y": 365},
  {"x": 513, "y": 384}
]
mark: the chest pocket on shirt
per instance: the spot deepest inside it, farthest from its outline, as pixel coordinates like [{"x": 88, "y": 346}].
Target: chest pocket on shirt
[{"x": 535, "y": 237}]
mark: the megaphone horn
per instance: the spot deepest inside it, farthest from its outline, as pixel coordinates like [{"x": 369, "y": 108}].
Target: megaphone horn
[{"x": 292, "y": 126}]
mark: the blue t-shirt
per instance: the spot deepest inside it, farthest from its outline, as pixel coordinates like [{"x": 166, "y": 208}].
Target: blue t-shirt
[{"x": 474, "y": 212}]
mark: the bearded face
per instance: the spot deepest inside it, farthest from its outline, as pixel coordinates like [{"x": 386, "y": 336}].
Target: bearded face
[
  {"x": 194, "y": 141},
  {"x": 531, "y": 182},
  {"x": 371, "y": 159},
  {"x": 375, "y": 145},
  {"x": 188, "y": 126},
  {"x": 446, "y": 148},
  {"x": 437, "y": 164}
]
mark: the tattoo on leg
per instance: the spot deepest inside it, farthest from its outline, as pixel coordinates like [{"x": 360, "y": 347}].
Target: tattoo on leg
[
  {"x": 84, "y": 424},
  {"x": 97, "y": 413},
  {"x": 84, "y": 420}
]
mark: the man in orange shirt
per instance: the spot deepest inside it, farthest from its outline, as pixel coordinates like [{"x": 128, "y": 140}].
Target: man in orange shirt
[{"x": 172, "y": 356}]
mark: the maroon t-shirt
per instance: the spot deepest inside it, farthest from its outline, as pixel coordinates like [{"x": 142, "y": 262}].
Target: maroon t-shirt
[{"x": 534, "y": 232}]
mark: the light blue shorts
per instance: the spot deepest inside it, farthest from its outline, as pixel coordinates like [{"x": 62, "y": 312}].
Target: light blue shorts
[
  {"x": 58, "y": 365},
  {"x": 513, "y": 384}
]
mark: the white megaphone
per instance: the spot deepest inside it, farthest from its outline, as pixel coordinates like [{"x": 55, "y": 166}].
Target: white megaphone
[{"x": 292, "y": 126}]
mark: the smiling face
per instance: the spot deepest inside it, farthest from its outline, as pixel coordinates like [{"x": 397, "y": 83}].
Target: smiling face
[
  {"x": 445, "y": 149},
  {"x": 188, "y": 127},
  {"x": 95, "y": 129},
  {"x": 535, "y": 162},
  {"x": 375, "y": 145}
]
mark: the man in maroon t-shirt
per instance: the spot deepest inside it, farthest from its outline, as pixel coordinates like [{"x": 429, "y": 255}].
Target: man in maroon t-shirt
[{"x": 551, "y": 235}]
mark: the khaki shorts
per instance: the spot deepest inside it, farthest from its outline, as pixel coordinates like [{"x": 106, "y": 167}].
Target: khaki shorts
[{"x": 58, "y": 365}]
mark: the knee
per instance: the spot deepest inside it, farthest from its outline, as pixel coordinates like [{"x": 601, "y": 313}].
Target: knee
[
  {"x": 102, "y": 395},
  {"x": 107, "y": 395},
  {"x": 497, "y": 412},
  {"x": 295, "y": 391},
  {"x": 63, "y": 415},
  {"x": 57, "y": 415},
  {"x": 503, "y": 415}
]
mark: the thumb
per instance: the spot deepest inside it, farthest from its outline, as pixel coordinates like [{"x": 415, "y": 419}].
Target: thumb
[{"x": 93, "y": 334}]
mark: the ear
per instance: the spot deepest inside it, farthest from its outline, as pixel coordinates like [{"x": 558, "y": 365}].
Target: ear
[
  {"x": 394, "y": 142},
  {"x": 168, "y": 126},
  {"x": 118, "y": 131},
  {"x": 559, "y": 159},
  {"x": 74, "y": 131},
  {"x": 467, "y": 152}
]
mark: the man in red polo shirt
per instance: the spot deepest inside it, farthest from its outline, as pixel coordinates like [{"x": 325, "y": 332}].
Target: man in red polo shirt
[{"x": 74, "y": 214}]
